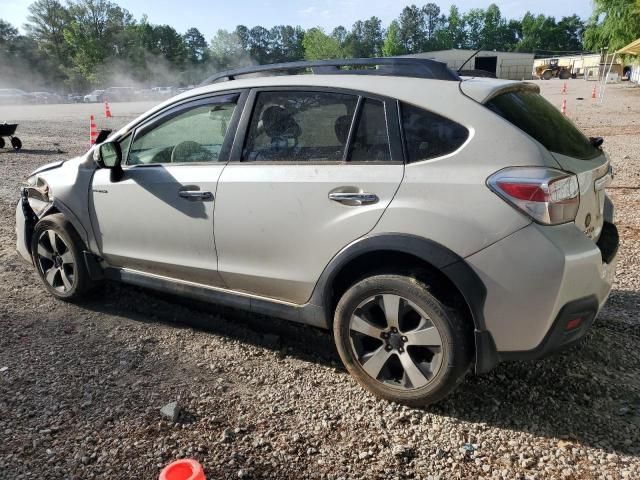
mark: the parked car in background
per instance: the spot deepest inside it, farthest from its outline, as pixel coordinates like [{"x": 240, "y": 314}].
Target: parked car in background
[
  {"x": 94, "y": 97},
  {"x": 14, "y": 96},
  {"x": 46, "y": 97},
  {"x": 432, "y": 222},
  {"x": 74, "y": 98},
  {"x": 163, "y": 92},
  {"x": 119, "y": 94}
]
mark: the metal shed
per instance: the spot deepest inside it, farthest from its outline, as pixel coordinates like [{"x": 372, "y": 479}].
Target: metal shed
[{"x": 507, "y": 65}]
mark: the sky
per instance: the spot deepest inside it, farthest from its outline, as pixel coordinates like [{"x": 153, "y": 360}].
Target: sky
[{"x": 210, "y": 15}]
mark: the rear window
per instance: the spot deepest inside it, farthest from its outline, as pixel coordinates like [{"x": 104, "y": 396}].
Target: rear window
[
  {"x": 429, "y": 135},
  {"x": 532, "y": 114}
]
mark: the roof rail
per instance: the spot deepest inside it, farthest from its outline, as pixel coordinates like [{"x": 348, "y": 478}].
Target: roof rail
[{"x": 390, "y": 66}]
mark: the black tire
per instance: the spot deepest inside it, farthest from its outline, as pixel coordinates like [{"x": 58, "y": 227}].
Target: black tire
[
  {"x": 456, "y": 348},
  {"x": 67, "y": 242},
  {"x": 2, "y": 142},
  {"x": 16, "y": 143}
]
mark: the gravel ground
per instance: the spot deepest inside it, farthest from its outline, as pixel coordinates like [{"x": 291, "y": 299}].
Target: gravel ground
[{"x": 81, "y": 386}]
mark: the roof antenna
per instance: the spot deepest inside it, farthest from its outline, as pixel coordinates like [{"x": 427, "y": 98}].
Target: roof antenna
[{"x": 467, "y": 60}]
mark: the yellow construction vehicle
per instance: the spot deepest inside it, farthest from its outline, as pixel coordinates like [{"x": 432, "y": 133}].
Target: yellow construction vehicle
[{"x": 553, "y": 70}]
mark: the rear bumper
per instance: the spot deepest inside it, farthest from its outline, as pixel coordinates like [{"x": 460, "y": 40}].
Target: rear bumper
[{"x": 540, "y": 278}]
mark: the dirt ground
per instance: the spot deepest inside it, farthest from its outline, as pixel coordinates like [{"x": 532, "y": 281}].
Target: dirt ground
[{"x": 81, "y": 386}]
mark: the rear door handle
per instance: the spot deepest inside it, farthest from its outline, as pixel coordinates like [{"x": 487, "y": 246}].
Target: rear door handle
[
  {"x": 353, "y": 198},
  {"x": 195, "y": 195}
]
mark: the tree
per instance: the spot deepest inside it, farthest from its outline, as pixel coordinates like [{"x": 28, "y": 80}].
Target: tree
[
  {"x": 8, "y": 33},
  {"x": 196, "y": 46},
  {"x": 614, "y": 24},
  {"x": 433, "y": 25},
  {"x": 258, "y": 44},
  {"x": 46, "y": 23},
  {"x": 411, "y": 30},
  {"x": 227, "y": 50},
  {"x": 320, "y": 46},
  {"x": 474, "y": 23},
  {"x": 92, "y": 33},
  {"x": 392, "y": 43},
  {"x": 454, "y": 35},
  {"x": 340, "y": 34}
]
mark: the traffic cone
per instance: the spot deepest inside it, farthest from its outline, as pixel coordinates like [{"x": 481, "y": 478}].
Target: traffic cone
[
  {"x": 563, "y": 109},
  {"x": 93, "y": 131},
  {"x": 107, "y": 110},
  {"x": 593, "y": 92},
  {"x": 564, "y": 87},
  {"x": 185, "y": 469}
]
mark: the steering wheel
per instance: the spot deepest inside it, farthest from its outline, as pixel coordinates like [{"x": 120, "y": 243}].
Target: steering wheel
[{"x": 189, "y": 151}]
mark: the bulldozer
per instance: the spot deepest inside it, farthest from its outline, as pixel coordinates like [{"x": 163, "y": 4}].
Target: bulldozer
[{"x": 553, "y": 70}]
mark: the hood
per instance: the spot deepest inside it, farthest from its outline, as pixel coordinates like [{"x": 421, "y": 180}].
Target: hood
[{"x": 47, "y": 166}]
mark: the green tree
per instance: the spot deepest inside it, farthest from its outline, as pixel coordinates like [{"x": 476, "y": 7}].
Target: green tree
[
  {"x": 412, "y": 29},
  {"x": 45, "y": 24},
  {"x": 196, "y": 46},
  {"x": 454, "y": 35},
  {"x": 614, "y": 24},
  {"x": 474, "y": 24},
  {"x": 259, "y": 44},
  {"x": 92, "y": 33},
  {"x": 227, "y": 50},
  {"x": 320, "y": 46},
  {"x": 433, "y": 24},
  {"x": 392, "y": 45}
]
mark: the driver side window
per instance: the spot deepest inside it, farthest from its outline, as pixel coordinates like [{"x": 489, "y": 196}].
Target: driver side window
[{"x": 194, "y": 135}]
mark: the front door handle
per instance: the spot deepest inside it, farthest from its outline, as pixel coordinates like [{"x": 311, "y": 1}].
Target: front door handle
[
  {"x": 353, "y": 198},
  {"x": 195, "y": 195}
]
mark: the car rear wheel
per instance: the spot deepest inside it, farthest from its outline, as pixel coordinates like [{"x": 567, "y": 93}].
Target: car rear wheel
[
  {"x": 56, "y": 250},
  {"x": 399, "y": 341}
]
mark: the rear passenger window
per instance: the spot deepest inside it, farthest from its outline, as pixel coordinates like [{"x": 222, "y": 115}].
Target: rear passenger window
[
  {"x": 371, "y": 141},
  {"x": 429, "y": 135},
  {"x": 299, "y": 127}
]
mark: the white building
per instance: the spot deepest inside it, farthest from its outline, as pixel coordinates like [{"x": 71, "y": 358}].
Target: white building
[{"x": 508, "y": 65}]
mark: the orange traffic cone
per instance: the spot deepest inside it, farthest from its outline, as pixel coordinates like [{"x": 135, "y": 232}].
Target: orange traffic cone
[
  {"x": 593, "y": 92},
  {"x": 563, "y": 109},
  {"x": 185, "y": 469},
  {"x": 564, "y": 87},
  {"x": 93, "y": 131},
  {"x": 107, "y": 110}
]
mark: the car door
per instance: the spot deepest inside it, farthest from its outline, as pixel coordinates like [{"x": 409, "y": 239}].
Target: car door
[
  {"x": 158, "y": 218},
  {"x": 315, "y": 172}
]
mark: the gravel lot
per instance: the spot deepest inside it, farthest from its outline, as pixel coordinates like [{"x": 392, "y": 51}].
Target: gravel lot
[{"x": 81, "y": 386}]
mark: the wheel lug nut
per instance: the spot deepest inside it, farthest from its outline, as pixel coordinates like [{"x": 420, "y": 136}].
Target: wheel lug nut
[
  {"x": 401, "y": 349},
  {"x": 388, "y": 348},
  {"x": 404, "y": 339}
]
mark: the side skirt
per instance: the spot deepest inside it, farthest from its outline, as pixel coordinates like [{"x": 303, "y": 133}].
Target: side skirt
[{"x": 307, "y": 314}]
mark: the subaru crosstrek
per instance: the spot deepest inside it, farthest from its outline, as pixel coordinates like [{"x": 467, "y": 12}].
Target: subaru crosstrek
[{"x": 433, "y": 222}]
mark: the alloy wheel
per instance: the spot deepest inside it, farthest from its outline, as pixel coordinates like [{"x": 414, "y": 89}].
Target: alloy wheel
[
  {"x": 56, "y": 261},
  {"x": 395, "y": 341}
]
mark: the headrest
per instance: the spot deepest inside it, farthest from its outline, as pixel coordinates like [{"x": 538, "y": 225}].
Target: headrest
[{"x": 341, "y": 127}]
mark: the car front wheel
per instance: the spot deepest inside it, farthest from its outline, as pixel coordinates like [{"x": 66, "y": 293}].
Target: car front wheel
[
  {"x": 56, "y": 250},
  {"x": 399, "y": 341}
]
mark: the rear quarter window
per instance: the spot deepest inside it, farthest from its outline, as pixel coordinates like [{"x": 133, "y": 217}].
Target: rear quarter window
[
  {"x": 534, "y": 115},
  {"x": 429, "y": 135}
]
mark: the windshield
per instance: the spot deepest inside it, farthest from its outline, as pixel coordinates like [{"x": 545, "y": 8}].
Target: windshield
[{"x": 531, "y": 113}]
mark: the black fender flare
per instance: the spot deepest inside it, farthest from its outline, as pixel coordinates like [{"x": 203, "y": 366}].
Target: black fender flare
[{"x": 453, "y": 266}]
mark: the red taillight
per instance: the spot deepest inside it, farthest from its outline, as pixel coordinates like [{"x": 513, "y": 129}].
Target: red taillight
[
  {"x": 547, "y": 195},
  {"x": 523, "y": 191},
  {"x": 573, "y": 324}
]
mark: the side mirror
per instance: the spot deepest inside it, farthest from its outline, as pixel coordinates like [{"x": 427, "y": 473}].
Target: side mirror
[{"x": 108, "y": 155}]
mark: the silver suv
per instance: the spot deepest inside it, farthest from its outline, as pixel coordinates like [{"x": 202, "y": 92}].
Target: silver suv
[{"x": 432, "y": 222}]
